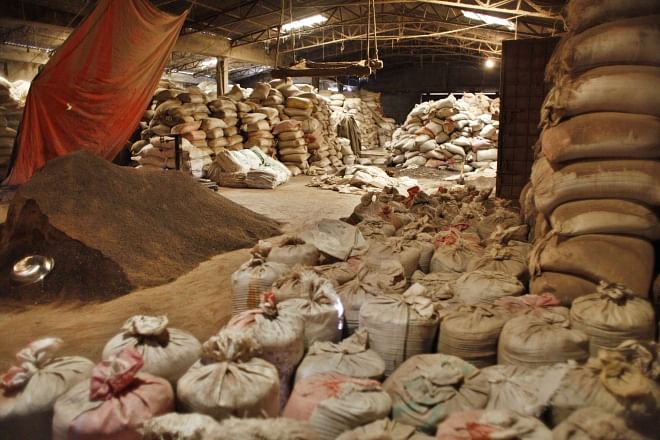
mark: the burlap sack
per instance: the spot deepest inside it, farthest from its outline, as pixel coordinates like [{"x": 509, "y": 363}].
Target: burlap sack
[
  {"x": 611, "y": 384},
  {"x": 350, "y": 357},
  {"x": 373, "y": 278},
  {"x": 114, "y": 403},
  {"x": 602, "y": 135},
  {"x": 644, "y": 355},
  {"x": 471, "y": 333},
  {"x": 622, "y": 42},
  {"x": 292, "y": 251},
  {"x": 564, "y": 286},
  {"x": 29, "y": 390},
  {"x": 175, "y": 426},
  {"x": 612, "y": 315},
  {"x": 384, "y": 429},
  {"x": 491, "y": 424},
  {"x": 333, "y": 403},
  {"x": 427, "y": 388},
  {"x": 253, "y": 278},
  {"x": 280, "y": 335},
  {"x": 509, "y": 259},
  {"x": 339, "y": 273},
  {"x": 166, "y": 352},
  {"x": 522, "y": 389},
  {"x": 402, "y": 250},
  {"x": 485, "y": 286},
  {"x": 637, "y": 180},
  {"x": 625, "y": 89},
  {"x": 455, "y": 257},
  {"x": 500, "y": 217},
  {"x": 541, "y": 340},
  {"x": 229, "y": 380},
  {"x": 270, "y": 429},
  {"x": 593, "y": 423},
  {"x": 583, "y": 14},
  {"x": 535, "y": 305},
  {"x": 605, "y": 216},
  {"x": 298, "y": 282},
  {"x": 321, "y": 310},
  {"x": 400, "y": 326},
  {"x": 591, "y": 257}
]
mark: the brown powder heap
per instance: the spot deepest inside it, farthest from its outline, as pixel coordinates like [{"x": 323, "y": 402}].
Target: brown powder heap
[{"x": 111, "y": 229}]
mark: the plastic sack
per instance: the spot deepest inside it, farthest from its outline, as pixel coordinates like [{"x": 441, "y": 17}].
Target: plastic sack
[
  {"x": 229, "y": 380},
  {"x": 350, "y": 357},
  {"x": 280, "y": 335},
  {"x": 492, "y": 424},
  {"x": 427, "y": 388},
  {"x": 333, "y": 403},
  {"x": 30, "y": 389},
  {"x": 321, "y": 310},
  {"x": 114, "y": 403},
  {"x": 253, "y": 278},
  {"x": 612, "y": 315},
  {"x": 166, "y": 352},
  {"x": 400, "y": 326}
]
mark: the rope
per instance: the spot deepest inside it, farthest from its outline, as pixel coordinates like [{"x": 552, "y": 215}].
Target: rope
[{"x": 375, "y": 30}]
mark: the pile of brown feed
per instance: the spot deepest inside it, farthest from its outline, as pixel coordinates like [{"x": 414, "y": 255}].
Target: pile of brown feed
[{"x": 113, "y": 229}]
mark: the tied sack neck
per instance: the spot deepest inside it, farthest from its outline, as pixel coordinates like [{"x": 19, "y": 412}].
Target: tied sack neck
[
  {"x": 416, "y": 298},
  {"x": 111, "y": 377},
  {"x": 618, "y": 376},
  {"x": 31, "y": 359},
  {"x": 614, "y": 292},
  {"x": 147, "y": 327},
  {"x": 529, "y": 304},
  {"x": 230, "y": 345},
  {"x": 356, "y": 343}
]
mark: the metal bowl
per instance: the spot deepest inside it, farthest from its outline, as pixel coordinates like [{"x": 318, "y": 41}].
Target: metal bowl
[{"x": 32, "y": 269}]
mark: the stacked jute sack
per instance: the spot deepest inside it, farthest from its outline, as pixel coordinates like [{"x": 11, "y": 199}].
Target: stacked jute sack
[
  {"x": 375, "y": 130},
  {"x": 449, "y": 132},
  {"x": 175, "y": 111},
  {"x": 223, "y": 129},
  {"x": 595, "y": 185},
  {"x": 386, "y": 126},
  {"x": 158, "y": 154},
  {"x": 11, "y": 111}
]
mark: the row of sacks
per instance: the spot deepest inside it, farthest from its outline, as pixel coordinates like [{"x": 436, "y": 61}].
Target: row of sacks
[
  {"x": 449, "y": 133},
  {"x": 159, "y": 154},
  {"x": 337, "y": 393},
  {"x": 375, "y": 130},
  {"x": 247, "y": 168},
  {"x": 594, "y": 191}
]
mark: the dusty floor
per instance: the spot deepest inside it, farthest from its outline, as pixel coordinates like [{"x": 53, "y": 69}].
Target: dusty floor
[{"x": 199, "y": 301}]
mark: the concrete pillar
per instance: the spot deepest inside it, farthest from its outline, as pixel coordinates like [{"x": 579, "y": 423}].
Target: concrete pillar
[
  {"x": 222, "y": 76},
  {"x": 316, "y": 82}
]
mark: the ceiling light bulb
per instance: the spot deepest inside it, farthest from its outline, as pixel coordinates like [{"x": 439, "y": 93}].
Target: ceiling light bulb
[{"x": 490, "y": 63}]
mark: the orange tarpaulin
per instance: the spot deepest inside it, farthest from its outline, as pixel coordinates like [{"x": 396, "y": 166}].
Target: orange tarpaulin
[{"x": 93, "y": 91}]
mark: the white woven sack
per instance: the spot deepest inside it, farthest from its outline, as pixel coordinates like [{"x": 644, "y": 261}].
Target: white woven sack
[
  {"x": 29, "y": 390},
  {"x": 400, "y": 326},
  {"x": 166, "y": 352}
]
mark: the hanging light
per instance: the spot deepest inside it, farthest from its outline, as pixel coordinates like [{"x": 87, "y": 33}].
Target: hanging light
[{"x": 489, "y": 63}]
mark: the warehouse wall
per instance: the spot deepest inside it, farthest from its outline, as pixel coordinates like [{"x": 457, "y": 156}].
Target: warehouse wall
[
  {"x": 402, "y": 86},
  {"x": 15, "y": 70}
]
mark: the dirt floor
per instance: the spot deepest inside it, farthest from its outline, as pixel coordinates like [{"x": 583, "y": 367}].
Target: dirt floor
[{"x": 199, "y": 301}]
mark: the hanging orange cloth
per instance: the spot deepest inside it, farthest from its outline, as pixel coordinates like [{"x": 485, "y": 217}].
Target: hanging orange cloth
[{"x": 92, "y": 93}]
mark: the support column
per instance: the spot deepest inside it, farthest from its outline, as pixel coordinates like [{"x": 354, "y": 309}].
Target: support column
[
  {"x": 222, "y": 76},
  {"x": 316, "y": 82}
]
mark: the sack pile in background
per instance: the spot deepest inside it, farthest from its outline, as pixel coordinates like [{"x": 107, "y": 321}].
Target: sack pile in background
[
  {"x": 595, "y": 184},
  {"x": 450, "y": 132},
  {"x": 12, "y": 100},
  {"x": 247, "y": 168}
]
